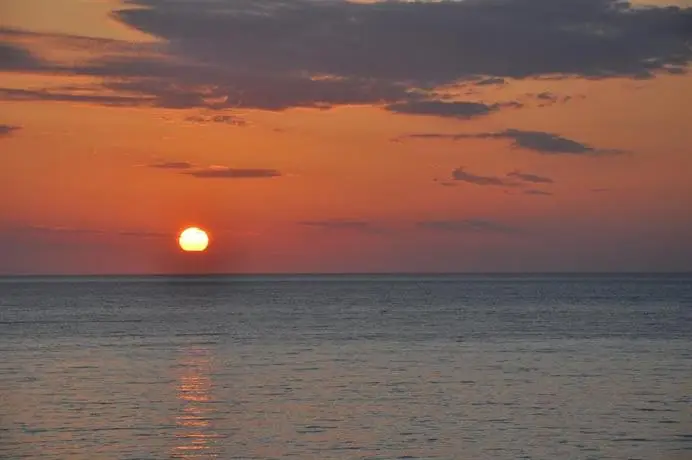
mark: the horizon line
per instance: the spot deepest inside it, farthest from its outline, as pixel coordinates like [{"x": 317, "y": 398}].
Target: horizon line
[{"x": 338, "y": 274}]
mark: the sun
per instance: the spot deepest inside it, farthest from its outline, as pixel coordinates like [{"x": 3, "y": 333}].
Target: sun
[{"x": 193, "y": 239}]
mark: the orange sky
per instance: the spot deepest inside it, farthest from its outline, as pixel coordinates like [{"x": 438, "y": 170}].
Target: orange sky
[{"x": 82, "y": 192}]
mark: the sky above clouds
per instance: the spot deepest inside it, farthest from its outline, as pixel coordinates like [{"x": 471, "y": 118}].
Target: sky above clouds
[{"x": 337, "y": 136}]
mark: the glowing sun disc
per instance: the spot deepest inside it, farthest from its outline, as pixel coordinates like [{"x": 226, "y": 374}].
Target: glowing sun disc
[{"x": 193, "y": 239}]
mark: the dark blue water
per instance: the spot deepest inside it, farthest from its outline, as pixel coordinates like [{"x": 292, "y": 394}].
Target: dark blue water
[{"x": 380, "y": 367}]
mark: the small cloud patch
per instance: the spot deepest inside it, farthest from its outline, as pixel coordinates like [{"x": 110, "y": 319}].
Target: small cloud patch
[
  {"x": 8, "y": 130},
  {"x": 460, "y": 174}
]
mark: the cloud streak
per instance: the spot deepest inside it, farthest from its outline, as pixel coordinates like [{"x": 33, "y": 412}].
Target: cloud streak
[
  {"x": 463, "y": 110},
  {"x": 547, "y": 143},
  {"x": 528, "y": 177},
  {"x": 172, "y": 165},
  {"x": 469, "y": 226},
  {"x": 56, "y": 230},
  {"x": 538, "y": 141},
  {"x": 232, "y": 120},
  {"x": 14, "y": 94},
  {"x": 218, "y": 172},
  {"x": 337, "y": 224},
  {"x": 537, "y": 192}
]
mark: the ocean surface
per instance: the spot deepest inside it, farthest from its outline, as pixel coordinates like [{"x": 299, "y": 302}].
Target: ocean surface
[{"x": 347, "y": 367}]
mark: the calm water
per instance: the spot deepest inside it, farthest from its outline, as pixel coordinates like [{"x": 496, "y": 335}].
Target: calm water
[{"x": 382, "y": 367}]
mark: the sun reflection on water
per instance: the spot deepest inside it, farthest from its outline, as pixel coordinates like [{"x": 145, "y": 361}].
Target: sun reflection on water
[{"x": 196, "y": 437}]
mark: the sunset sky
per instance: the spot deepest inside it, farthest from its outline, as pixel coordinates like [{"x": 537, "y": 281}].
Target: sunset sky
[{"x": 343, "y": 136}]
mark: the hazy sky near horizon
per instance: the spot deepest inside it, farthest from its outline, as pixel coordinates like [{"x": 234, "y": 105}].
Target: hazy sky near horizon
[{"x": 337, "y": 136}]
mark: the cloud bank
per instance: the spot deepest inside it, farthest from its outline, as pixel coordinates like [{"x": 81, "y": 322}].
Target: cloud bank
[{"x": 275, "y": 55}]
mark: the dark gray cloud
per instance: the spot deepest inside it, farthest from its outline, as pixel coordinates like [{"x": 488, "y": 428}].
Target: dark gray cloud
[
  {"x": 7, "y": 130},
  {"x": 274, "y": 54},
  {"x": 537, "y": 192},
  {"x": 443, "y": 109},
  {"x": 469, "y": 226},
  {"x": 460, "y": 174},
  {"x": 233, "y": 173},
  {"x": 528, "y": 177},
  {"x": 172, "y": 165},
  {"x": 538, "y": 141},
  {"x": 510, "y": 38}
]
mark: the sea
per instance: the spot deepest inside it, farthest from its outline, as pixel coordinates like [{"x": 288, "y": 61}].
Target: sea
[{"x": 467, "y": 367}]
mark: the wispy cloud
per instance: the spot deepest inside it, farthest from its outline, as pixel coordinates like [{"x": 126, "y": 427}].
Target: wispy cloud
[
  {"x": 469, "y": 226},
  {"x": 337, "y": 224},
  {"x": 537, "y": 192},
  {"x": 57, "y": 230},
  {"x": 143, "y": 234},
  {"x": 350, "y": 225}
]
